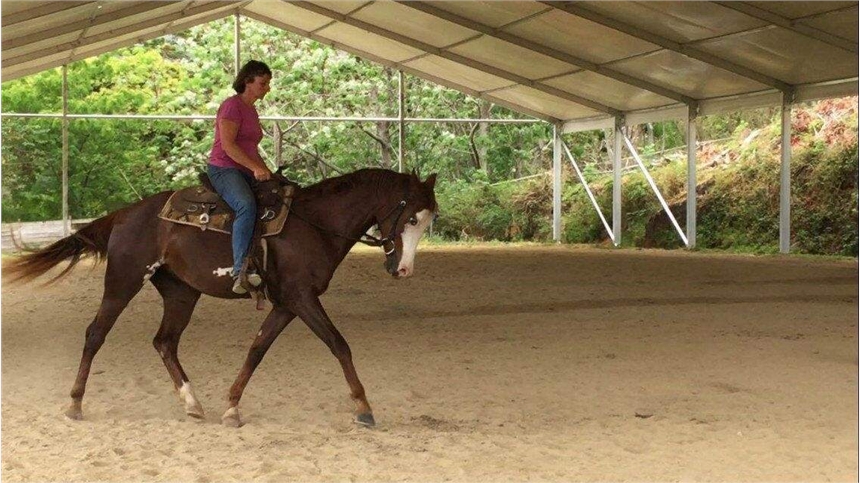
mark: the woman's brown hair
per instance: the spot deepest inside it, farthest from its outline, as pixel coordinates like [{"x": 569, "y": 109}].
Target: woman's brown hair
[{"x": 253, "y": 68}]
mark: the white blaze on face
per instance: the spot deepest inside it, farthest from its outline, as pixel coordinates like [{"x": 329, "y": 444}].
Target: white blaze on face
[{"x": 410, "y": 237}]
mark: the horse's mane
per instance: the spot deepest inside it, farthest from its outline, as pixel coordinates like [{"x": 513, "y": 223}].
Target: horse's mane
[{"x": 376, "y": 177}]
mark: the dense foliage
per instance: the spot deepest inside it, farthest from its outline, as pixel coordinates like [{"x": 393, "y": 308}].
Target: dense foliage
[
  {"x": 494, "y": 179},
  {"x": 738, "y": 189}
]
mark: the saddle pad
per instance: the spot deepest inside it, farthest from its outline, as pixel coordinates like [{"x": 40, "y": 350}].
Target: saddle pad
[{"x": 179, "y": 209}]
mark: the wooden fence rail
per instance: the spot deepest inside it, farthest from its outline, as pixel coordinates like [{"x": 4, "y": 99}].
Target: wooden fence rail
[{"x": 35, "y": 233}]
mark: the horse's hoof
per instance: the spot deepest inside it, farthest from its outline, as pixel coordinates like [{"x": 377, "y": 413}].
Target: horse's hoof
[
  {"x": 194, "y": 409},
  {"x": 74, "y": 412},
  {"x": 195, "y": 412},
  {"x": 365, "y": 419},
  {"x": 231, "y": 418}
]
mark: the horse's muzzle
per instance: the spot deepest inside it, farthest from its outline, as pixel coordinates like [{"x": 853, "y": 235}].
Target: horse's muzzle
[{"x": 391, "y": 265}]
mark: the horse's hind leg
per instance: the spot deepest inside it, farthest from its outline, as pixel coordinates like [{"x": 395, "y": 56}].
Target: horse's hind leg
[
  {"x": 120, "y": 288},
  {"x": 179, "y": 302}
]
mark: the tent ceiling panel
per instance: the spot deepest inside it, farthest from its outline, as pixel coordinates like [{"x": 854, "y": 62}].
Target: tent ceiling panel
[
  {"x": 778, "y": 53},
  {"x": 458, "y": 73},
  {"x": 131, "y": 15},
  {"x": 678, "y": 21},
  {"x": 75, "y": 42},
  {"x": 609, "y": 91},
  {"x": 574, "y": 61},
  {"x": 692, "y": 77},
  {"x": 493, "y": 14},
  {"x": 842, "y": 23},
  {"x": 122, "y": 37},
  {"x": 414, "y": 24},
  {"x": 369, "y": 42},
  {"x": 795, "y": 10},
  {"x": 37, "y": 46},
  {"x": 22, "y": 26},
  {"x": 99, "y": 46},
  {"x": 512, "y": 58},
  {"x": 579, "y": 37},
  {"x": 284, "y": 12},
  {"x": 15, "y": 11},
  {"x": 344, "y": 7},
  {"x": 38, "y": 64},
  {"x": 542, "y": 102}
]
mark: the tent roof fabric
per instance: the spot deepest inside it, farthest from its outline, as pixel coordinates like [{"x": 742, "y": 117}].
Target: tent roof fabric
[{"x": 581, "y": 63}]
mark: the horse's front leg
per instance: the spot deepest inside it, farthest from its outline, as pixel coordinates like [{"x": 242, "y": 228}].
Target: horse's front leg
[
  {"x": 312, "y": 313},
  {"x": 275, "y": 322}
]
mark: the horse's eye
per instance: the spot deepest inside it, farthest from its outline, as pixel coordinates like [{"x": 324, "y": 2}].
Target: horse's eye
[{"x": 413, "y": 221}]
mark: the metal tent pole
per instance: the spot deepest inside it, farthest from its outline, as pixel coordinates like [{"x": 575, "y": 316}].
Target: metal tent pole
[
  {"x": 236, "y": 44},
  {"x": 203, "y": 117},
  {"x": 400, "y": 114},
  {"x": 691, "y": 176},
  {"x": 785, "y": 178},
  {"x": 556, "y": 183},
  {"x": 616, "y": 181},
  {"x": 65, "y": 175}
]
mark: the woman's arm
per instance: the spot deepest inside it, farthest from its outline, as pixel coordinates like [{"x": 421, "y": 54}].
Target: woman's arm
[{"x": 228, "y": 130}]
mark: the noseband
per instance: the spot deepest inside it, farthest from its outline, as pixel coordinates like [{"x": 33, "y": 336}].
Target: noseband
[
  {"x": 380, "y": 242},
  {"x": 387, "y": 243}
]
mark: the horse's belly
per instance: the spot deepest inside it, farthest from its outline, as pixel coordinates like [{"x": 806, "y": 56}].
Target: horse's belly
[{"x": 202, "y": 259}]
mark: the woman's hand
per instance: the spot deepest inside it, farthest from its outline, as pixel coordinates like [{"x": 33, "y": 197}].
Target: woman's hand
[{"x": 262, "y": 173}]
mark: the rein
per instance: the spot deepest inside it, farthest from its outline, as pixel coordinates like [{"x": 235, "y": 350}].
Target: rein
[{"x": 366, "y": 239}]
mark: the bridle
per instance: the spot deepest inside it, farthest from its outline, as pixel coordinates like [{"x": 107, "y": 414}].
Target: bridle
[{"x": 370, "y": 240}]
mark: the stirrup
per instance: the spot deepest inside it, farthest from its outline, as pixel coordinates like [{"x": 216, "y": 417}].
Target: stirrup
[
  {"x": 254, "y": 279},
  {"x": 237, "y": 287}
]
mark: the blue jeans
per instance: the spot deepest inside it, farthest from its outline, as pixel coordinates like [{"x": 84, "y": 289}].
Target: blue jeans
[{"x": 235, "y": 187}]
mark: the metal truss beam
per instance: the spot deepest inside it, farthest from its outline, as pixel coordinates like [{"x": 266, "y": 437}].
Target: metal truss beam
[
  {"x": 691, "y": 52},
  {"x": 400, "y": 66},
  {"x": 175, "y": 19},
  {"x": 548, "y": 51},
  {"x": 417, "y": 44},
  {"x": 792, "y": 25}
]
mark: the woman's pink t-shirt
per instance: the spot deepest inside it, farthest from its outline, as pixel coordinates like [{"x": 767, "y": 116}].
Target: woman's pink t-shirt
[{"x": 249, "y": 135}]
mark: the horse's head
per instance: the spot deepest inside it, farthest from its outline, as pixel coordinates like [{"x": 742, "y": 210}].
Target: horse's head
[{"x": 405, "y": 223}]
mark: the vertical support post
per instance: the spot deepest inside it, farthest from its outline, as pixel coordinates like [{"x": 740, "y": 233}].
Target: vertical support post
[
  {"x": 66, "y": 225},
  {"x": 279, "y": 148},
  {"x": 785, "y": 178},
  {"x": 616, "y": 181},
  {"x": 401, "y": 115},
  {"x": 556, "y": 183},
  {"x": 237, "y": 31},
  {"x": 692, "y": 144}
]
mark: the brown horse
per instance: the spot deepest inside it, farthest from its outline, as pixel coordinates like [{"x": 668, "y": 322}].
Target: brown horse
[{"x": 183, "y": 261}]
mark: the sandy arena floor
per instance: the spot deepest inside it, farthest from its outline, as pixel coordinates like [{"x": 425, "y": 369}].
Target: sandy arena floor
[{"x": 492, "y": 364}]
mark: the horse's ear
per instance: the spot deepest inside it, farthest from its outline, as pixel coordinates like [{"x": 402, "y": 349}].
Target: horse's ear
[
  {"x": 431, "y": 181},
  {"x": 415, "y": 173}
]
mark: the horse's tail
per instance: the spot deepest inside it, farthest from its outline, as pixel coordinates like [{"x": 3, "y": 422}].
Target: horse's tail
[{"x": 91, "y": 240}]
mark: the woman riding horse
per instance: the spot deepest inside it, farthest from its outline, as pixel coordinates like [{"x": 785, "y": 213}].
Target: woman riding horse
[{"x": 183, "y": 262}]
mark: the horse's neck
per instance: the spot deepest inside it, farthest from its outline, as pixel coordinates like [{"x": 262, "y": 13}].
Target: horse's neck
[{"x": 348, "y": 215}]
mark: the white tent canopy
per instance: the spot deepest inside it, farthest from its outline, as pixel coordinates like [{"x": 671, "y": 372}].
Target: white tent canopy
[{"x": 581, "y": 63}]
